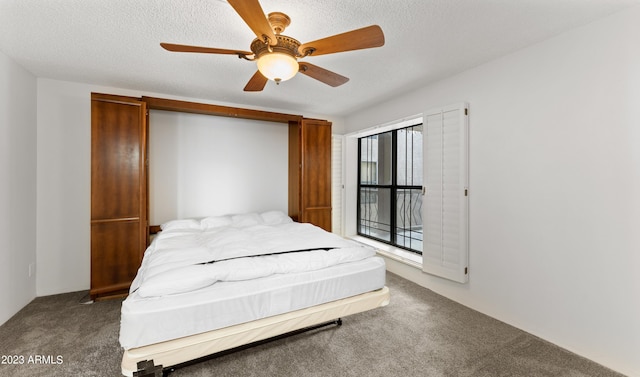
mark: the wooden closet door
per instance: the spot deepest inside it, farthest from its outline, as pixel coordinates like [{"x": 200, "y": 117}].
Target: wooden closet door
[
  {"x": 118, "y": 192},
  {"x": 316, "y": 173}
]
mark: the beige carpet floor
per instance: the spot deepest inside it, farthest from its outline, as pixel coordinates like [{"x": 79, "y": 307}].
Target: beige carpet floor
[{"x": 419, "y": 334}]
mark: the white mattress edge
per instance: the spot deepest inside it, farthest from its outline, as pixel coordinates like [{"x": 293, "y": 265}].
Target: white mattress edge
[{"x": 192, "y": 347}]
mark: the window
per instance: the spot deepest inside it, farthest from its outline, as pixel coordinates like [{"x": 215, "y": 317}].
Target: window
[
  {"x": 413, "y": 189},
  {"x": 390, "y": 187}
]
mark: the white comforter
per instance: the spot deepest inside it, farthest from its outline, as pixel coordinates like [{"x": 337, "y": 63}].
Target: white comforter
[{"x": 198, "y": 254}]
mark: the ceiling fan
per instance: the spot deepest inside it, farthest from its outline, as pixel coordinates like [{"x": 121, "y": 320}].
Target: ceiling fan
[{"x": 277, "y": 55}]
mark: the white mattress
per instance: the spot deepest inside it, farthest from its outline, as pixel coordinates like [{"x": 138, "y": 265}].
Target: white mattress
[
  {"x": 178, "y": 351},
  {"x": 147, "y": 321},
  {"x": 207, "y": 274}
]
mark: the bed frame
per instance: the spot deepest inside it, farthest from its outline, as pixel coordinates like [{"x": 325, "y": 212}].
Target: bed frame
[{"x": 162, "y": 358}]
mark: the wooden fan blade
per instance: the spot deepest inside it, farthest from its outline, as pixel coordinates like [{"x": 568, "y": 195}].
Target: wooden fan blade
[
  {"x": 206, "y": 50},
  {"x": 321, "y": 74},
  {"x": 367, "y": 37},
  {"x": 256, "y": 83},
  {"x": 252, "y": 13}
]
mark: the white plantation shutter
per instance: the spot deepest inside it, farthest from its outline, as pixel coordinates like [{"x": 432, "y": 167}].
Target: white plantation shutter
[
  {"x": 445, "y": 206},
  {"x": 336, "y": 184}
]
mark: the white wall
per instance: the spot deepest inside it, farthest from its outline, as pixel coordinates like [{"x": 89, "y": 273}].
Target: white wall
[
  {"x": 64, "y": 180},
  {"x": 17, "y": 187},
  {"x": 203, "y": 165},
  {"x": 554, "y": 188},
  {"x": 64, "y": 177}
]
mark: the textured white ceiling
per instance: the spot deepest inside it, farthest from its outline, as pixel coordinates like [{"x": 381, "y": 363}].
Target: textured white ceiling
[{"x": 116, "y": 43}]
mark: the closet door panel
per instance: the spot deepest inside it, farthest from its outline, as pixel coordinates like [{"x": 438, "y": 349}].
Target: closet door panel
[
  {"x": 118, "y": 258},
  {"x": 115, "y": 165},
  {"x": 316, "y": 173},
  {"x": 316, "y": 155},
  {"x": 118, "y": 192},
  {"x": 320, "y": 217}
]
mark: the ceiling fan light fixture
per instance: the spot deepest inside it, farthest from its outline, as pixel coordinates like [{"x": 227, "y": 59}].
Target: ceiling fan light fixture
[{"x": 277, "y": 66}]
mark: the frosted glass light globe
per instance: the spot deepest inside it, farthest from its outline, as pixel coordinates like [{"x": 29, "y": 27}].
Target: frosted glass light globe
[{"x": 277, "y": 66}]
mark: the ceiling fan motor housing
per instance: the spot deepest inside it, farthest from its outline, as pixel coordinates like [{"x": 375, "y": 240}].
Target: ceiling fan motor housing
[{"x": 286, "y": 45}]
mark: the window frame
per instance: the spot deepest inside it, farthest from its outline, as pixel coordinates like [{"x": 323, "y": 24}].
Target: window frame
[{"x": 393, "y": 188}]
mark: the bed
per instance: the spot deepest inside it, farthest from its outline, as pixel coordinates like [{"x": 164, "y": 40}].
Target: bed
[{"x": 218, "y": 283}]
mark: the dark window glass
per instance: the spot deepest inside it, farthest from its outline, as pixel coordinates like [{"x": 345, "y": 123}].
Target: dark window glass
[{"x": 390, "y": 187}]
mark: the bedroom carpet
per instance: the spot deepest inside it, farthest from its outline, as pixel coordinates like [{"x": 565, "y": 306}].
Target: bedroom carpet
[{"x": 419, "y": 334}]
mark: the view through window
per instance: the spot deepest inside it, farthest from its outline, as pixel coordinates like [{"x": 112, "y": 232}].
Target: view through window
[{"x": 390, "y": 187}]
